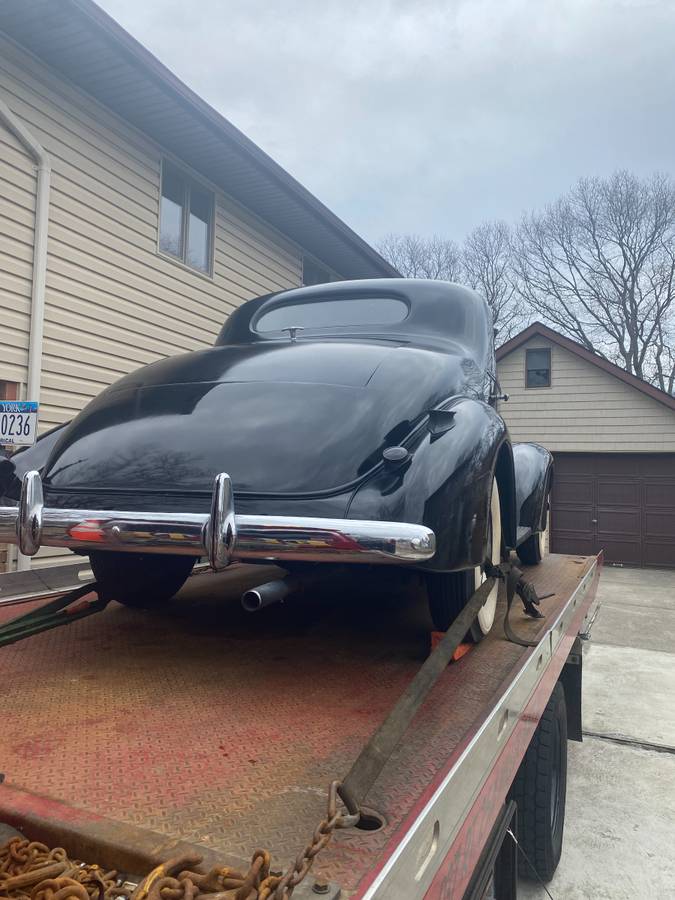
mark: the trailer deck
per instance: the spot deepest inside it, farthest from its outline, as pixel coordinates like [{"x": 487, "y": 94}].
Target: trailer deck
[{"x": 223, "y": 729}]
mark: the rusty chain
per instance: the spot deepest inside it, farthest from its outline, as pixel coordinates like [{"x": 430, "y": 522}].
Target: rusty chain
[
  {"x": 31, "y": 871},
  {"x": 322, "y": 835}
]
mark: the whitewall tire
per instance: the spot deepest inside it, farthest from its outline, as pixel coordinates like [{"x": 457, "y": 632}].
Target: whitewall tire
[
  {"x": 486, "y": 614},
  {"x": 448, "y": 593}
]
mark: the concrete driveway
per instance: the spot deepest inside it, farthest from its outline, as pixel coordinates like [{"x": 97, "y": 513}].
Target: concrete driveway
[{"x": 620, "y": 822}]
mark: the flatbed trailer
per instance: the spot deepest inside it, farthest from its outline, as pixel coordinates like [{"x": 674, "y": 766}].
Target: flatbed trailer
[{"x": 129, "y": 736}]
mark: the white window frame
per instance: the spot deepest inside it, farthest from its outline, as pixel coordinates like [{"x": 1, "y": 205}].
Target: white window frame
[
  {"x": 189, "y": 180},
  {"x": 539, "y": 387}
]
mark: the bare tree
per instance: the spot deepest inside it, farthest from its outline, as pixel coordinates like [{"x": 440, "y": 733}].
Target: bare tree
[
  {"x": 485, "y": 262},
  {"x": 419, "y": 257},
  {"x": 599, "y": 265},
  {"x": 487, "y": 266}
]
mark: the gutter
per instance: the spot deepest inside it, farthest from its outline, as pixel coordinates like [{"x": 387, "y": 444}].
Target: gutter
[{"x": 39, "y": 274}]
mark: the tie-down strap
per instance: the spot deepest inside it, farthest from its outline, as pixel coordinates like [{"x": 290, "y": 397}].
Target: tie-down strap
[
  {"x": 517, "y": 584},
  {"x": 379, "y": 748},
  {"x": 53, "y": 614}
]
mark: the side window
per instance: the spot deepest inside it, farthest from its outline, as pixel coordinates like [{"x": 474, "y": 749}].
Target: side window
[
  {"x": 186, "y": 219},
  {"x": 538, "y": 368}
]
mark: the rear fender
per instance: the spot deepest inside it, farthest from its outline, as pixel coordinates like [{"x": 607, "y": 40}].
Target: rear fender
[
  {"x": 444, "y": 484},
  {"x": 533, "y": 467}
]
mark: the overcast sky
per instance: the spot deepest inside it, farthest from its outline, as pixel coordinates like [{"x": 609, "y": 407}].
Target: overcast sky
[{"x": 429, "y": 116}]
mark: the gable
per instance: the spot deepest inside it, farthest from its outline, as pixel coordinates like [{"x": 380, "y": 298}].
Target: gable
[{"x": 586, "y": 409}]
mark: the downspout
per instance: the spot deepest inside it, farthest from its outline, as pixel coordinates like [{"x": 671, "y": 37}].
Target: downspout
[{"x": 37, "y": 303}]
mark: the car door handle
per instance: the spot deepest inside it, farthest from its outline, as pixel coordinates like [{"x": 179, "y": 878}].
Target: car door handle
[{"x": 594, "y": 521}]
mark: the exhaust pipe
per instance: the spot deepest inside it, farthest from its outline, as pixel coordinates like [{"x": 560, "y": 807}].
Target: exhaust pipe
[
  {"x": 276, "y": 591},
  {"x": 266, "y": 594}
]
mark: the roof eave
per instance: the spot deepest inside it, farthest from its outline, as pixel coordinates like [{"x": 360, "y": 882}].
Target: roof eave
[
  {"x": 230, "y": 132},
  {"x": 274, "y": 195}
]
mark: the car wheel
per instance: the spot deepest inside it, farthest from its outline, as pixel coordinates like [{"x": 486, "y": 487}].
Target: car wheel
[
  {"x": 533, "y": 550},
  {"x": 539, "y": 790},
  {"x": 142, "y": 581},
  {"x": 448, "y": 593}
]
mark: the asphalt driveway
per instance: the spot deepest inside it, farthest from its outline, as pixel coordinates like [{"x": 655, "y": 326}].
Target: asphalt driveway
[{"x": 620, "y": 824}]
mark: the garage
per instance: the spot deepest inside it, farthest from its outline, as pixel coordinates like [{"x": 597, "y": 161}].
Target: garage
[
  {"x": 622, "y": 503},
  {"x": 612, "y": 436}
]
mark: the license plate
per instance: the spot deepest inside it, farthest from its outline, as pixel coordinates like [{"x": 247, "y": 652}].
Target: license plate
[{"x": 18, "y": 422}]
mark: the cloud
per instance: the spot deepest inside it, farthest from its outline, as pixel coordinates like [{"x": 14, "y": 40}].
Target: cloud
[{"x": 429, "y": 116}]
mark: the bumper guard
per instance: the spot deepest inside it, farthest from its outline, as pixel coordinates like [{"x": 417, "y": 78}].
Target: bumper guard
[{"x": 220, "y": 535}]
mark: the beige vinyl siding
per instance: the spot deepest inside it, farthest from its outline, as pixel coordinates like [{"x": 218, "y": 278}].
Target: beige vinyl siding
[
  {"x": 585, "y": 410},
  {"x": 113, "y": 303}
]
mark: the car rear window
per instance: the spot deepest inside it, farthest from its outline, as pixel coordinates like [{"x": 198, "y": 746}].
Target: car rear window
[{"x": 319, "y": 315}]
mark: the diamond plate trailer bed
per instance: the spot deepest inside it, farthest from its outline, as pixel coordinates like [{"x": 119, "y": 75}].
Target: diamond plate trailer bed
[{"x": 128, "y": 736}]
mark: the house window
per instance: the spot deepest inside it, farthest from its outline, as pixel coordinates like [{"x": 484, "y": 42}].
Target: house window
[
  {"x": 538, "y": 368},
  {"x": 9, "y": 390},
  {"x": 185, "y": 219},
  {"x": 313, "y": 273}
]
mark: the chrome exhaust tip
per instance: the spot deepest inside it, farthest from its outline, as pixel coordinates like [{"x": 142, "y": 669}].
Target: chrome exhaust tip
[{"x": 264, "y": 595}]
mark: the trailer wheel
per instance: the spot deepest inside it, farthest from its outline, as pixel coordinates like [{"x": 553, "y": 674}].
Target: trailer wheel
[
  {"x": 449, "y": 592},
  {"x": 539, "y": 790},
  {"x": 140, "y": 580}
]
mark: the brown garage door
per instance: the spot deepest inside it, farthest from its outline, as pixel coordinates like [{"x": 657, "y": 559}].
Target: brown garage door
[{"x": 622, "y": 503}]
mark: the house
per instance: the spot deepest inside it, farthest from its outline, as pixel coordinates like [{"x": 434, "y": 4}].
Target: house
[
  {"x": 133, "y": 217},
  {"x": 613, "y": 439}
]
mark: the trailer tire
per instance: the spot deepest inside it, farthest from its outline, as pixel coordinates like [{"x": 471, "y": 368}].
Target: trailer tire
[
  {"x": 539, "y": 790},
  {"x": 140, "y": 580}
]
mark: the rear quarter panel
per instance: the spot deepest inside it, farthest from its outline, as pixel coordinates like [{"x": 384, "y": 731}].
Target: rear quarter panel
[{"x": 445, "y": 485}]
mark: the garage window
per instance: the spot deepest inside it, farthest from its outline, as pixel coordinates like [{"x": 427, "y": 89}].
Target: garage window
[
  {"x": 538, "y": 368},
  {"x": 185, "y": 220}
]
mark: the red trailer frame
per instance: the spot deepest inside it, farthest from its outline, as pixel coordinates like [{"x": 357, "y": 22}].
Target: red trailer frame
[{"x": 466, "y": 801}]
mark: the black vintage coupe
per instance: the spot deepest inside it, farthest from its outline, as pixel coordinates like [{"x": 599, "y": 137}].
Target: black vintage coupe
[{"x": 352, "y": 422}]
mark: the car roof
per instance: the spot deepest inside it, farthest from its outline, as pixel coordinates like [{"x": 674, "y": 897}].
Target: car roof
[{"x": 440, "y": 312}]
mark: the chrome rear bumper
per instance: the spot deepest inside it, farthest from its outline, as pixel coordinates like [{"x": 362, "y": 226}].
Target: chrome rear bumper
[{"x": 220, "y": 535}]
